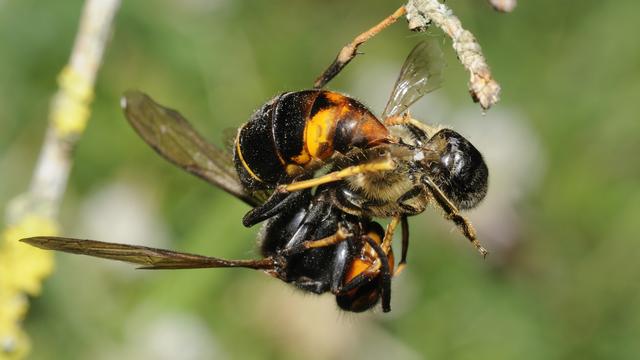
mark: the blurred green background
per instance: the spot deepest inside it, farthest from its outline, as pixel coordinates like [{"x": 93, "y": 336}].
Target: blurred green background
[{"x": 561, "y": 218}]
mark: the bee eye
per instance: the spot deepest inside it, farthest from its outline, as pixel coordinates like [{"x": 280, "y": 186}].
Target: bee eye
[{"x": 461, "y": 173}]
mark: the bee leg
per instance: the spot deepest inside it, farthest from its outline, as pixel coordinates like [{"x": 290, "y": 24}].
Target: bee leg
[
  {"x": 376, "y": 166},
  {"x": 416, "y": 191},
  {"x": 350, "y": 50},
  {"x": 404, "y": 223},
  {"x": 411, "y": 194},
  {"x": 453, "y": 214},
  {"x": 388, "y": 235}
]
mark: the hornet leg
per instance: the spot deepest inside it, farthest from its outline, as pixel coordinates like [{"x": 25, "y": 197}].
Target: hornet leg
[
  {"x": 275, "y": 204},
  {"x": 350, "y": 50},
  {"x": 337, "y": 175}
]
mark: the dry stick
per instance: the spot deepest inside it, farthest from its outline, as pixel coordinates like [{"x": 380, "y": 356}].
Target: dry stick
[
  {"x": 420, "y": 14},
  {"x": 349, "y": 51},
  {"x": 70, "y": 108},
  {"x": 35, "y": 212},
  {"x": 482, "y": 87}
]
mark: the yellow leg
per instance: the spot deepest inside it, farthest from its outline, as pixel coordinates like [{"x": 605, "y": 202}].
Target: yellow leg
[
  {"x": 388, "y": 235},
  {"x": 399, "y": 269},
  {"x": 336, "y": 238},
  {"x": 338, "y": 175},
  {"x": 339, "y": 236},
  {"x": 385, "y": 246}
]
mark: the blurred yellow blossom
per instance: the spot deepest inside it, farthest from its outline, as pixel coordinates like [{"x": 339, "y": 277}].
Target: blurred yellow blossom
[{"x": 22, "y": 269}]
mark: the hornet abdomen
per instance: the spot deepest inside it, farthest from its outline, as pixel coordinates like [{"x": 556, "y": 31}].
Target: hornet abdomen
[{"x": 296, "y": 129}]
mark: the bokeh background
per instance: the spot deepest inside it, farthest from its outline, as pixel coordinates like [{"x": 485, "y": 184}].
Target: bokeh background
[{"x": 561, "y": 218}]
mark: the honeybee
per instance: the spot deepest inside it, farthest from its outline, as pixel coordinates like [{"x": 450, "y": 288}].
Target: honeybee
[{"x": 320, "y": 234}]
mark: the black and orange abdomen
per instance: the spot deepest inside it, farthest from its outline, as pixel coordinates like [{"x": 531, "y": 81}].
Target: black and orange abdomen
[
  {"x": 364, "y": 297},
  {"x": 293, "y": 129}
]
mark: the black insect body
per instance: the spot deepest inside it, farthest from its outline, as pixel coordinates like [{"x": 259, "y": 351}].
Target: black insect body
[
  {"x": 318, "y": 166},
  {"x": 346, "y": 257},
  {"x": 392, "y": 168},
  {"x": 310, "y": 243}
]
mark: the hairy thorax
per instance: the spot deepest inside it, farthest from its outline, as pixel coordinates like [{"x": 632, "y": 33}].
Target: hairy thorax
[{"x": 379, "y": 194}]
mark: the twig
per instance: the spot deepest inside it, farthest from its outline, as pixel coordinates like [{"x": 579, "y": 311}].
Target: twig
[
  {"x": 420, "y": 14},
  {"x": 349, "y": 51},
  {"x": 483, "y": 88},
  {"x": 22, "y": 268}
]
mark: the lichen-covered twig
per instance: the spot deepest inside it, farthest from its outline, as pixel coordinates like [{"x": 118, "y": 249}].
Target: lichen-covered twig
[
  {"x": 349, "y": 51},
  {"x": 503, "y": 5},
  {"x": 421, "y": 14},
  {"x": 22, "y": 268},
  {"x": 483, "y": 88}
]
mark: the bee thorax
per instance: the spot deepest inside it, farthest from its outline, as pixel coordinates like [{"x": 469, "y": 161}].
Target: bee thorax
[{"x": 384, "y": 186}]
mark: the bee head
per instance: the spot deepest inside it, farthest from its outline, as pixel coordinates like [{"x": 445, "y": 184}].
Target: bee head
[{"x": 457, "y": 168}]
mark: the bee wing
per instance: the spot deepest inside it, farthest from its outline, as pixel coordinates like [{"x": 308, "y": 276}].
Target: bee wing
[
  {"x": 171, "y": 136},
  {"x": 148, "y": 258},
  {"x": 420, "y": 74}
]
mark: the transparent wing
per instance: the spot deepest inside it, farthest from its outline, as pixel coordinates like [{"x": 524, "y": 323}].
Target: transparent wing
[
  {"x": 420, "y": 74},
  {"x": 171, "y": 136},
  {"x": 148, "y": 258}
]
